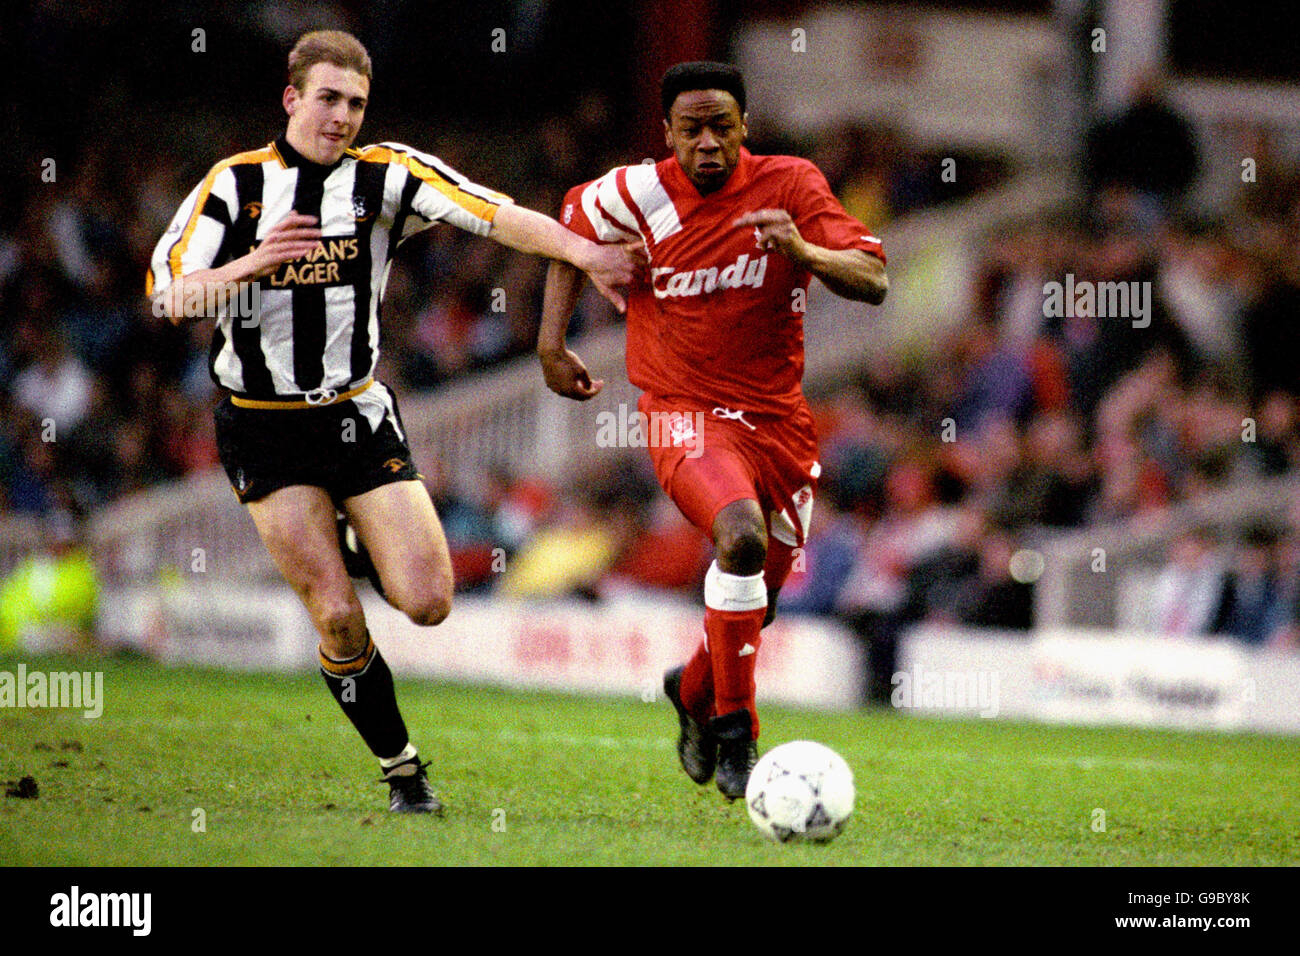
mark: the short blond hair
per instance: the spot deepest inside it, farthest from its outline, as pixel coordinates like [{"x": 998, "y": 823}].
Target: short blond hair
[{"x": 326, "y": 46}]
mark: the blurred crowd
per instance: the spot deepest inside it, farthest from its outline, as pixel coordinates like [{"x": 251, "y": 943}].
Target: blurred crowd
[{"x": 1246, "y": 585}]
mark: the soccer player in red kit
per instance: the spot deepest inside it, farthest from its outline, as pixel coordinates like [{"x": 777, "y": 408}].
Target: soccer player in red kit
[{"x": 715, "y": 332}]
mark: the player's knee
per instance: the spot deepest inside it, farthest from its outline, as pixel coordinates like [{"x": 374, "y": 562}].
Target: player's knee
[
  {"x": 430, "y": 612},
  {"x": 341, "y": 623},
  {"x": 429, "y": 606},
  {"x": 742, "y": 550}
]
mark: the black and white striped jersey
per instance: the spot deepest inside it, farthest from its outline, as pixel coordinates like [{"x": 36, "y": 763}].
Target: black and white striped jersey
[{"x": 318, "y": 321}]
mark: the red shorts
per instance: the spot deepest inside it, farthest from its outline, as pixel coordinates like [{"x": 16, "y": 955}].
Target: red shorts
[{"x": 737, "y": 455}]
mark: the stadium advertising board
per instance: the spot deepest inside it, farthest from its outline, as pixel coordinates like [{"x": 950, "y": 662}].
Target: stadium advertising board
[
  {"x": 620, "y": 647},
  {"x": 1105, "y": 677}
]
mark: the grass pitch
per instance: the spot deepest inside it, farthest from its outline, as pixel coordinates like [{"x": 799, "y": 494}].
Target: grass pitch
[{"x": 532, "y": 778}]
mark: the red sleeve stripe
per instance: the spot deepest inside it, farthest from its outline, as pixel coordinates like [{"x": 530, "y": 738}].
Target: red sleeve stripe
[
  {"x": 612, "y": 221},
  {"x": 620, "y": 180}
]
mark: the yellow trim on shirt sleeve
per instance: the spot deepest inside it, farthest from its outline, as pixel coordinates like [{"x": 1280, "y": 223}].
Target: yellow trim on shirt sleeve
[
  {"x": 475, "y": 205},
  {"x": 178, "y": 250}
]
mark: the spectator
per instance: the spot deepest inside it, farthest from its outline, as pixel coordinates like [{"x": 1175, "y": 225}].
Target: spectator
[
  {"x": 991, "y": 597},
  {"x": 597, "y": 526},
  {"x": 874, "y": 594},
  {"x": 832, "y": 549},
  {"x": 1148, "y": 147},
  {"x": 56, "y": 386},
  {"x": 1187, "y": 597},
  {"x": 1251, "y": 610},
  {"x": 667, "y": 553}
]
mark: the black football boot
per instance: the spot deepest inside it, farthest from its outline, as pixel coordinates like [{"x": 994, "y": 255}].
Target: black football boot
[
  {"x": 409, "y": 790},
  {"x": 737, "y": 751},
  {"x": 696, "y": 749}
]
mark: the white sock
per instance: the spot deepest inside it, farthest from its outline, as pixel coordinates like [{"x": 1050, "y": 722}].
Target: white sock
[
  {"x": 408, "y": 753},
  {"x": 733, "y": 592}
]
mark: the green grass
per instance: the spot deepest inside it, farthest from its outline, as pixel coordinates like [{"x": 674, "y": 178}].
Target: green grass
[{"x": 282, "y": 779}]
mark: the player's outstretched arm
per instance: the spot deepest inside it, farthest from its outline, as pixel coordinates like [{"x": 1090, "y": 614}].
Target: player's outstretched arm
[
  {"x": 293, "y": 236},
  {"x": 539, "y": 235},
  {"x": 852, "y": 273},
  {"x": 564, "y": 372}
]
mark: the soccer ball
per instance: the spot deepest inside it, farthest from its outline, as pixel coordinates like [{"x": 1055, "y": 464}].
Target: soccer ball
[{"x": 800, "y": 791}]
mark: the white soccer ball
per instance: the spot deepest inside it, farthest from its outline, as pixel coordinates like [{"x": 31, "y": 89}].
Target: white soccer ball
[{"x": 800, "y": 791}]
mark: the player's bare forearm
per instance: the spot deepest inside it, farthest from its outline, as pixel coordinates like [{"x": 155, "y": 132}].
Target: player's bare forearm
[
  {"x": 294, "y": 236},
  {"x": 532, "y": 233},
  {"x": 564, "y": 372},
  {"x": 563, "y": 283},
  {"x": 203, "y": 285},
  {"x": 851, "y": 273}
]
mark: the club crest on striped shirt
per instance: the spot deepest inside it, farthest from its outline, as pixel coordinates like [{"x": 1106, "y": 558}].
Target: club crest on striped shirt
[{"x": 359, "y": 211}]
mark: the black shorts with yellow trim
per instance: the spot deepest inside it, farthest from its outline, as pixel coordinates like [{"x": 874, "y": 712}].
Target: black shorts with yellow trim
[{"x": 327, "y": 446}]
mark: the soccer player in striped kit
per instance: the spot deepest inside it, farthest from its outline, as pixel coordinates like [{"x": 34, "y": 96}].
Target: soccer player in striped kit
[
  {"x": 311, "y": 225},
  {"x": 715, "y": 335}
]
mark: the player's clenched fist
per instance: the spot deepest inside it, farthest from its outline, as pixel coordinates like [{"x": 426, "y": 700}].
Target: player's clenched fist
[
  {"x": 776, "y": 230},
  {"x": 292, "y": 237},
  {"x": 566, "y": 375}
]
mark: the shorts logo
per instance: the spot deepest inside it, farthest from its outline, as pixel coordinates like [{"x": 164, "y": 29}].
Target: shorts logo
[
  {"x": 253, "y": 209},
  {"x": 736, "y": 415},
  {"x": 681, "y": 431},
  {"x": 395, "y": 465}
]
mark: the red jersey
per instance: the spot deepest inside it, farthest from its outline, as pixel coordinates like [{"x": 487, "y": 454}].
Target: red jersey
[{"x": 716, "y": 321}]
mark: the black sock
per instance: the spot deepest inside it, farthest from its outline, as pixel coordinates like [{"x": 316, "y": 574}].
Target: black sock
[{"x": 363, "y": 686}]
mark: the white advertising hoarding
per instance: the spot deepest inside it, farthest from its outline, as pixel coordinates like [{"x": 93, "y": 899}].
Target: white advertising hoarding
[
  {"x": 1104, "y": 677},
  {"x": 618, "y": 647}
]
